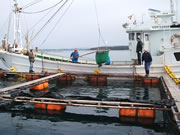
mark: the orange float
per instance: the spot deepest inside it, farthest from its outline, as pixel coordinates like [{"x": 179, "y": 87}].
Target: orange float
[
  {"x": 30, "y": 77},
  {"x": 146, "y": 113},
  {"x": 128, "y": 112},
  {"x": 56, "y": 107},
  {"x": 50, "y": 107},
  {"x": 40, "y": 86},
  {"x": 67, "y": 78},
  {"x": 40, "y": 106},
  {"x": 97, "y": 78},
  {"x": 155, "y": 80},
  {"x": 139, "y": 113},
  {"x": 147, "y": 80}
]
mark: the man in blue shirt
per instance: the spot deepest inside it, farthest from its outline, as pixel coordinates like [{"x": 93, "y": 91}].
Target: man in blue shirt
[{"x": 74, "y": 56}]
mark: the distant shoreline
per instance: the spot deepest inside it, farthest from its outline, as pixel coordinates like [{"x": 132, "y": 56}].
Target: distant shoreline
[
  {"x": 94, "y": 48},
  {"x": 111, "y": 48}
]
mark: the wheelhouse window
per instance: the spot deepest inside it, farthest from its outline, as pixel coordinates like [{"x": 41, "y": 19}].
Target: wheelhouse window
[
  {"x": 146, "y": 37},
  {"x": 177, "y": 56},
  {"x": 131, "y": 36},
  {"x": 138, "y": 35}
]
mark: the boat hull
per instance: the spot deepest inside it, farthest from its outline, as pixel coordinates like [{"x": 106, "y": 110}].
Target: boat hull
[{"x": 20, "y": 62}]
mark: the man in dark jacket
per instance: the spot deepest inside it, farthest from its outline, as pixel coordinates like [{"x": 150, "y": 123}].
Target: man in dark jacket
[
  {"x": 148, "y": 61},
  {"x": 31, "y": 60},
  {"x": 139, "y": 50}
]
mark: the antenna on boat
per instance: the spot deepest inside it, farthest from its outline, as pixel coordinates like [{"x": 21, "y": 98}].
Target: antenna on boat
[
  {"x": 173, "y": 11},
  {"x": 177, "y": 11},
  {"x": 17, "y": 27}
]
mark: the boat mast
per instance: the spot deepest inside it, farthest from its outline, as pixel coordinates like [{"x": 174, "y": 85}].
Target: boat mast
[{"x": 17, "y": 28}]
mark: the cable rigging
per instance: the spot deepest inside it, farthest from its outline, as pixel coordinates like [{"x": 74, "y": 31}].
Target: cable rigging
[
  {"x": 99, "y": 29},
  {"x": 49, "y": 20},
  {"x": 43, "y": 9},
  {"x": 31, "y": 4},
  {"x": 57, "y": 23}
]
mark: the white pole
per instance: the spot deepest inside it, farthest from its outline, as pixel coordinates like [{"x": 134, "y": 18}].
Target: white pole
[
  {"x": 177, "y": 11},
  {"x": 17, "y": 28}
]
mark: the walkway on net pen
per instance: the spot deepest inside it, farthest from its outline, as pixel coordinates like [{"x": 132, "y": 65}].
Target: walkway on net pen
[
  {"x": 70, "y": 102},
  {"x": 31, "y": 83}
]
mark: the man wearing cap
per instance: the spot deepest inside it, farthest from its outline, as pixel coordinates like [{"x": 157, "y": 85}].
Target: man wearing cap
[
  {"x": 74, "y": 56},
  {"x": 139, "y": 50},
  {"x": 147, "y": 58}
]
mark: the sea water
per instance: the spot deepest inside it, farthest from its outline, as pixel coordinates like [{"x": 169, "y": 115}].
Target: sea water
[{"x": 23, "y": 119}]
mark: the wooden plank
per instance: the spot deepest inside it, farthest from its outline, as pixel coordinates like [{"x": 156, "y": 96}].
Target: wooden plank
[
  {"x": 174, "y": 90},
  {"x": 85, "y": 103},
  {"x": 30, "y": 82}
]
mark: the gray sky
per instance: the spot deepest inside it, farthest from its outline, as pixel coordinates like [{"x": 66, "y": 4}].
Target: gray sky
[{"x": 78, "y": 27}]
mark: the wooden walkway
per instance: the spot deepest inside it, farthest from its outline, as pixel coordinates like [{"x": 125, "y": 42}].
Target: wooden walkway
[
  {"x": 33, "y": 82},
  {"x": 86, "y": 103},
  {"x": 174, "y": 90}
]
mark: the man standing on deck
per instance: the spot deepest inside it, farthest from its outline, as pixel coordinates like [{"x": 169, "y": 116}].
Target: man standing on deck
[
  {"x": 31, "y": 60},
  {"x": 74, "y": 56},
  {"x": 139, "y": 50},
  {"x": 148, "y": 61}
]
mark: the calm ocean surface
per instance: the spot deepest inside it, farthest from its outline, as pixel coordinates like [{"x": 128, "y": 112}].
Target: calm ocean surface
[{"x": 23, "y": 119}]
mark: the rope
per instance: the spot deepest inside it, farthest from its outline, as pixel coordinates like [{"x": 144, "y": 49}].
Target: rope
[
  {"x": 43, "y": 9},
  {"x": 39, "y": 21},
  {"x": 99, "y": 29},
  {"x": 31, "y": 4},
  {"x": 57, "y": 23},
  {"x": 49, "y": 20}
]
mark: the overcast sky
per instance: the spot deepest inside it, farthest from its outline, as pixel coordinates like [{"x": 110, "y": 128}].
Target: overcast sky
[{"x": 78, "y": 27}]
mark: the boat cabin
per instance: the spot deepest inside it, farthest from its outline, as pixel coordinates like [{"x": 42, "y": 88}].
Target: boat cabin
[{"x": 159, "y": 36}]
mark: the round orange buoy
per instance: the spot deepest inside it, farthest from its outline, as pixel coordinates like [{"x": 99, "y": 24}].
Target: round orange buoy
[
  {"x": 146, "y": 113},
  {"x": 30, "y": 77},
  {"x": 40, "y": 86},
  {"x": 128, "y": 112}
]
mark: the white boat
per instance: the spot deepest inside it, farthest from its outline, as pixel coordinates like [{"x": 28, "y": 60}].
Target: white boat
[{"x": 161, "y": 36}]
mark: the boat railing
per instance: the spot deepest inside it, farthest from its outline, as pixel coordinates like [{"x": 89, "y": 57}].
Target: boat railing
[{"x": 61, "y": 58}]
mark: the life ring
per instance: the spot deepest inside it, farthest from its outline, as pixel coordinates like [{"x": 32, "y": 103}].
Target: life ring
[{"x": 173, "y": 37}]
